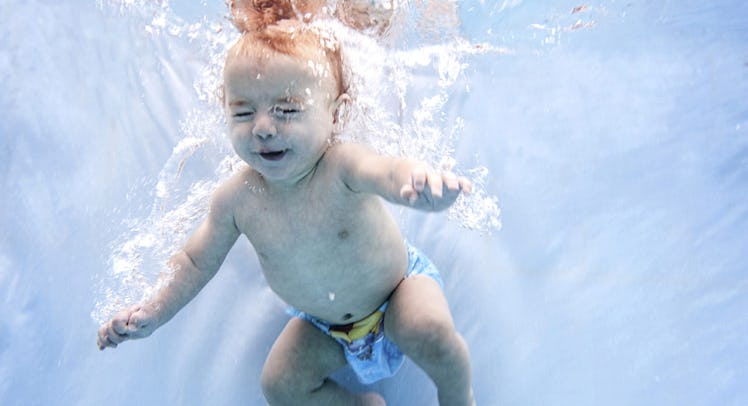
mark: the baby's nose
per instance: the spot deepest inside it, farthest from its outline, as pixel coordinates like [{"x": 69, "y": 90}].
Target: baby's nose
[{"x": 264, "y": 127}]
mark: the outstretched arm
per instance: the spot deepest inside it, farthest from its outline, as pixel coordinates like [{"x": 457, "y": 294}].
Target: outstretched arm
[
  {"x": 403, "y": 181},
  {"x": 192, "y": 267}
]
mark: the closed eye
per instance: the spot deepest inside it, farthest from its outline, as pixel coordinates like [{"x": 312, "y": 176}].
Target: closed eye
[
  {"x": 243, "y": 114},
  {"x": 286, "y": 112}
]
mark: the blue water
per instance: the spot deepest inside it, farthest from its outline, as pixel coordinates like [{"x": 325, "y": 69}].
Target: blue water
[{"x": 616, "y": 139}]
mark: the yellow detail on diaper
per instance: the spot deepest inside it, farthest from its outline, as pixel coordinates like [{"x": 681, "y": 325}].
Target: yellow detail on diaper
[{"x": 359, "y": 329}]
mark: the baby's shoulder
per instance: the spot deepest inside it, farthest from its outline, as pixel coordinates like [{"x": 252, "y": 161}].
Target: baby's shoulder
[
  {"x": 347, "y": 148},
  {"x": 339, "y": 158},
  {"x": 235, "y": 188},
  {"x": 345, "y": 154}
]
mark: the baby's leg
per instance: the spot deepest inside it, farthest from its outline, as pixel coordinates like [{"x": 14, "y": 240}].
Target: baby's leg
[
  {"x": 298, "y": 366},
  {"x": 419, "y": 322}
]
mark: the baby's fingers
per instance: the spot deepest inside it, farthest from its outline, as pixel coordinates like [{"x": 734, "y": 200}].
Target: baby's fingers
[
  {"x": 119, "y": 325},
  {"x": 139, "y": 323},
  {"x": 465, "y": 185},
  {"x": 419, "y": 178},
  {"x": 408, "y": 193},
  {"x": 451, "y": 182},
  {"x": 108, "y": 337},
  {"x": 435, "y": 184},
  {"x": 102, "y": 341}
]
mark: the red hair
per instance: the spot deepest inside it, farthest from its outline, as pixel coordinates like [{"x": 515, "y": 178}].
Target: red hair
[
  {"x": 256, "y": 15},
  {"x": 280, "y": 25}
]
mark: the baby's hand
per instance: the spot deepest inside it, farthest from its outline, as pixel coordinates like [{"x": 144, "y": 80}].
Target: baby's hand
[
  {"x": 136, "y": 322},
  {"x": 433, "y": 190}
]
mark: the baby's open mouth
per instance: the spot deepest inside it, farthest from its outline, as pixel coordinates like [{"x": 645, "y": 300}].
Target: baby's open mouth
[{"x": 273, "y": 155}]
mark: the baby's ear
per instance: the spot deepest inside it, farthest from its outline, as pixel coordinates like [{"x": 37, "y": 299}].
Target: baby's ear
[{"x": 340, "y": 108}]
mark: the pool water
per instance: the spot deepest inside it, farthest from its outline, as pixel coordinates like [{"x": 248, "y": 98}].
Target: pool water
[{"x": 613, "y": 137}]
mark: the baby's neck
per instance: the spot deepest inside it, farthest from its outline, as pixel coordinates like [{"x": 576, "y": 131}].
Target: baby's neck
[
  {"x": 293, "y": 184},
  {"x": 284, "y": 187}
]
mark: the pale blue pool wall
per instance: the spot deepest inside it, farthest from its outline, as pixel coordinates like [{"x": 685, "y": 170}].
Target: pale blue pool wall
[{"x": 618, "y": 151}]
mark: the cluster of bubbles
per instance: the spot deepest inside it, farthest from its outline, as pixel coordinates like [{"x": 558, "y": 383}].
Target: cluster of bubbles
[
  {"x": 400, "y": 117},
  {"x": 391, "y": 112}
]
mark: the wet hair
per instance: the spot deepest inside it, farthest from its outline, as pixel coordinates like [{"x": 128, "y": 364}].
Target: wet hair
[{"x": 282, "y": 26}]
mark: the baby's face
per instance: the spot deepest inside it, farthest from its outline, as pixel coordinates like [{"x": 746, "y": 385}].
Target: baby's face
[{"x": 280, "y": 111}]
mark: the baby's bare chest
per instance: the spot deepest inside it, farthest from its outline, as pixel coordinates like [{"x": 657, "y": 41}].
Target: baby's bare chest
[
  {"x": 329, "y": 257},
  {"x": 307, "y": 225}
]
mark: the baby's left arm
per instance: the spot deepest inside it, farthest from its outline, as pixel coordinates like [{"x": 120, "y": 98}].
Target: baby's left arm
[{"x": 400, "y": 180}]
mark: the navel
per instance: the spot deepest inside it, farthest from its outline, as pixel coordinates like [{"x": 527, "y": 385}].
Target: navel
[
  {"x": 347, "y": 316},
  {"x": 343, "y": 234}
]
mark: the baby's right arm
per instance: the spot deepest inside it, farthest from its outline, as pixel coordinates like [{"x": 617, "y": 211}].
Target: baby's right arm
[{"x": 193, "y": 266}]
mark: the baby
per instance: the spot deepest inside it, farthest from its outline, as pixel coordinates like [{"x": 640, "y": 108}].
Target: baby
[{"x": 311, "y": 207}]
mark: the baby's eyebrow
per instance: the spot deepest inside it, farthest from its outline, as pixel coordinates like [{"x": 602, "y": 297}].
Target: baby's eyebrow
[
  {"x": 290, "y": 99},
  {"x": 237, "y": 103}
]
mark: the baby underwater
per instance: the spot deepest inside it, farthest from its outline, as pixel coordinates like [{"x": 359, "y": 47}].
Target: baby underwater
[{"x": 312, "y": 208}]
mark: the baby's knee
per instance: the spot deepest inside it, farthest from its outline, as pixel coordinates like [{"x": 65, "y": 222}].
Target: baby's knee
[
  {"x": 283, "y": 384},
  {"x": 277, "y": 384},
  {"x": 270, "y": 381}
]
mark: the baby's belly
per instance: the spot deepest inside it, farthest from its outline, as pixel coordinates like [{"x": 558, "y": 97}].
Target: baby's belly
[{"x": 338, "y": 291}]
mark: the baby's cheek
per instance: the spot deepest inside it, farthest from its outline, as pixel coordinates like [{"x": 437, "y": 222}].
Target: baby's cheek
[{"x": 239, "y": 131}]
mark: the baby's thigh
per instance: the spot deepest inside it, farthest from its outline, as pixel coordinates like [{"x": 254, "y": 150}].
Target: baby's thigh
[
  {"x": 302, "y": 356},
  {"x": 418, "y": 316}
]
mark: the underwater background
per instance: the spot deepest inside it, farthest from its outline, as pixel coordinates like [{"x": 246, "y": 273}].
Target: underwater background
[{"x": 611, "y": 135}]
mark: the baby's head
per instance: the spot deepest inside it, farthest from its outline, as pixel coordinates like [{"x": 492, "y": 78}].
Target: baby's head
[
  {"x": 283, "y": 89},
  {"x": 279, "y": 27}
]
